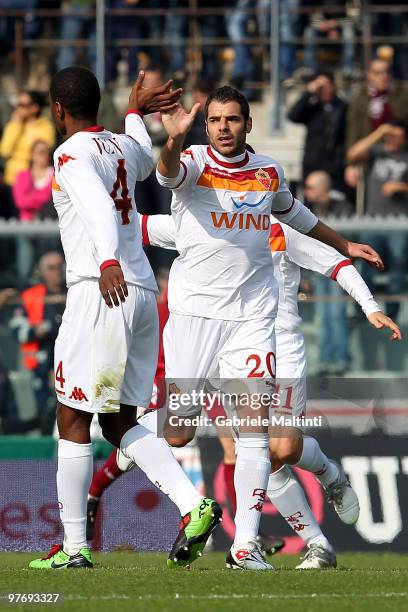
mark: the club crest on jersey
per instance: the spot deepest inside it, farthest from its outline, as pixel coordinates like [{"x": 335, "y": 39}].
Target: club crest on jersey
[
  {"x": 240, "y": 202},
  {"x": 263, "y": 177},
  {"x": 64, "y": 159}
]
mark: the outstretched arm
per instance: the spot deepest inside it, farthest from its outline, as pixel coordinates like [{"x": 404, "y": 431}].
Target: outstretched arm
[
  {"x": 313, "y": 255},
  {"x": 291, "y": 211},
  {"x": 327, "y": 235}
]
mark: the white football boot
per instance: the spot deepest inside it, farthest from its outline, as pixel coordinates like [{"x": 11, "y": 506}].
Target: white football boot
[
  {"x": 248, "y": 556},
  {"x": 343, "y": 498},
  {"x": 318, "y": 557}
]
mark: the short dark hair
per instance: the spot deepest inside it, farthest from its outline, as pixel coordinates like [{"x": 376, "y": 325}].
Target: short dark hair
[
  {"x": 228, "y": 94},
  {"x": 77, "y": 90},
  {"x": 36, "y": 98}
]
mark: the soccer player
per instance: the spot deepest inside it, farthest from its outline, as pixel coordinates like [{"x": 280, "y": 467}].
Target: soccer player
[
  {"x": 222, "y": 295},
  {"x": 106, "y": 350},
  {"x": 291, "y": 251}
]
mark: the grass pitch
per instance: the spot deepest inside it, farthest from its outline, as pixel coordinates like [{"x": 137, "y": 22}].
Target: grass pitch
[{"x": 140, "y": 581}]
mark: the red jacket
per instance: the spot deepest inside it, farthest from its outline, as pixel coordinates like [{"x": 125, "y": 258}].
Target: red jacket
[{"x": 33, "y": 302}]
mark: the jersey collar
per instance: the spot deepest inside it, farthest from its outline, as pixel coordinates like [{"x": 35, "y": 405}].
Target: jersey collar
[
  {"x": 94, "y": 128},
  {"x": 228, "y": 162}
]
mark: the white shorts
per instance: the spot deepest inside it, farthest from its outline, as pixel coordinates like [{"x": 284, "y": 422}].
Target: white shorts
[
  {"x": 105, "y": 357},
  {"x": 291, "y": 374},
  {"x": 198, "y": 350}
]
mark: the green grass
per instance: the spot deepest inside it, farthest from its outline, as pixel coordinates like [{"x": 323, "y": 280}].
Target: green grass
[{"x": 131, "y": 581}]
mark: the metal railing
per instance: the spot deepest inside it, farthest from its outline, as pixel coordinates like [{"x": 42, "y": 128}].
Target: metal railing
[{"x": 362, "y": 14}]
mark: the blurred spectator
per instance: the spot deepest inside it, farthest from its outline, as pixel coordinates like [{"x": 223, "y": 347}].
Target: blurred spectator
[
  {"x": 26, "y": 126},
  {"x": 379, "y": 100},
  {"x": 322, "y": 200},
  {"x": 332, "y": 319},
  {"x": 120, "y": 27},
  {"x": 390, "y": 23},
  {"x": 332, "y": 27},
  {"x": 241, "y": 24},
  {"x": 324, "y": 115},
  {"x": 32, "y": 188},
  {"x": 77, "y": 21},
  {"x": 212, "y": 27},
  {"x": 198, "y": 133},
  {"x": 176, "y": 31},
  {"x": 288, "y": 23},
  {"x": 130, "y": 27},
  {"x": 288, "y": 30},
  {"x": 36, "y": 327},
  {"x": 7, "y": 24},
  {"x": 386, "y": 151}
]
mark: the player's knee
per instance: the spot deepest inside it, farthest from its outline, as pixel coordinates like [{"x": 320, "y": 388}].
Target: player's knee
[
  {"x": 73, "y": 425},
  {"x": 178, "y": 441},
  {"x": 286, "y": 451}
]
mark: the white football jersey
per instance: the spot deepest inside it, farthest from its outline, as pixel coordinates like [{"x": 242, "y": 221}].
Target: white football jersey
[
  {"x": 221, "y": 209},
  {"x": 290, "y": 251},
  {"x": 93, "y": 193}
]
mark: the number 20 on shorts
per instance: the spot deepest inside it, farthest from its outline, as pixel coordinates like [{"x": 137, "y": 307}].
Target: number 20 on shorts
[{"x": 258, "y": 368}]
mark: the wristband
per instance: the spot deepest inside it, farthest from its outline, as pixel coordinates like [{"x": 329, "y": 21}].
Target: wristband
[
  {"x": 108, "y": 263},
  {"x": 134, "y": 111}
]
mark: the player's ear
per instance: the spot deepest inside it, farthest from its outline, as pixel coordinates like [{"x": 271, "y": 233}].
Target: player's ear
[
  {"x": 248, "y": 125},
  {"x": 206, "y": 128},
  {"x": 59, "y": 111}
]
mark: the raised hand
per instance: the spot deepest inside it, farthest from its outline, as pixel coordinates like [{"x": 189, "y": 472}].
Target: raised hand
[
  {"x": 177, "y": 121},
  {"x": 153, "y": 99},
  {"x": 379, "y": 320},
  {"x": 364, "y": 251}
]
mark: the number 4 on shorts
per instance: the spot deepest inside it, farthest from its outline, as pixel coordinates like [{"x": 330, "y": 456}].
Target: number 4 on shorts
[{"x": 59, "y": 377}]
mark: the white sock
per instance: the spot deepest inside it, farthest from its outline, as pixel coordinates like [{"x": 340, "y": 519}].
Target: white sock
[
  {"x": 74, "y": 475},
  {"x": 314, "y": 460},
  {"x": 250, "y": 479},
  {"x": 154, "y": 456},
  {"x": 289, "y": 499}
]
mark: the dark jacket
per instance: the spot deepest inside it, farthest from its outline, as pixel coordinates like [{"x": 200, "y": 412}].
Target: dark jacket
[
  {"x": 324, "y": 145},
  {"x": 358, "y": 121}
]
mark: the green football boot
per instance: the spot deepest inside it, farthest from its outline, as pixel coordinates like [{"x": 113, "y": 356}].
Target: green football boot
[
  {"x": 195, "y": 529},
  {"x": 58, "y": 559}
]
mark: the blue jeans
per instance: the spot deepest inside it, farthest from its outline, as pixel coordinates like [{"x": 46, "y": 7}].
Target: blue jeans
[
  {"x": 72, "y": 28},
  {"x": 212, "y": 26},
  {"x": 176, "y": 30},
  {"x": 237, "y": 27},
  {"x": 393, "y": 249},
  {"x": 332, "y": 321},
  {"x": 288, "y": 20}
]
